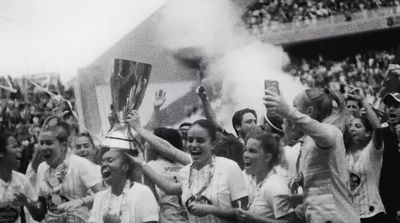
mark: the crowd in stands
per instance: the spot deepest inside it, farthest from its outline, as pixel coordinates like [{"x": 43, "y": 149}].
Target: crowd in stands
[
  {"x": 328, "y": 156},
  {"x": 365, "y": 71},
  {"x": 265, "y": 14}
]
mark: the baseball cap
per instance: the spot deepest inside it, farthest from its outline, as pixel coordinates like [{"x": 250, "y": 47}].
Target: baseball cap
[{"x": 390, "y": 97}]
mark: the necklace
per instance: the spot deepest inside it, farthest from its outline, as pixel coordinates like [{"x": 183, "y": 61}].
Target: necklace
[
  {"x": 206, "y": 184},
  {"x": 124, "y": 200},
  {"x": 258, "y": 188}
]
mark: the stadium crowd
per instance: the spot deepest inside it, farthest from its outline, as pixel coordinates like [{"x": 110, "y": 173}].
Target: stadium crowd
[
  {"x": 331, "y": 155},
  {"x": 271, "y": 13}
]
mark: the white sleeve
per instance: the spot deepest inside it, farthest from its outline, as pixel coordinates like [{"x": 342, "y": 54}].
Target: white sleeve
[
  {"x": 278, "y": 195},
  {"x": 89, "y": 173},
  {"x": 237, "y": 183},
  {"x": 32, "y": 176},
  {"x": 40, "y": 181},
  {"x": 29, "y": 191},
  {"x": 95, "y": 212},
  {"x": 149, "y": 208}
]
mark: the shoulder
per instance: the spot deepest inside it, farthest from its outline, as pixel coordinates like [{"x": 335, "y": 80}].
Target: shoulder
[
  {"x": 42, "y": 168},
  {"x": 276, "y": 184},
  {"x": 225, "y": 162},
  {"x": 99, "y": 195},
  {"x": 139, "y": 189},
  {"x": 19, "y": 177}
]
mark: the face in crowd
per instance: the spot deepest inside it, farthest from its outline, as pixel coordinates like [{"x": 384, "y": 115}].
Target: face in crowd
[
  {"x": 113, "y": 166},
  {"x": 353, "y": 107},
  {"x": 393, "y": 112},
  {"x": 261, "y": 153},
  {"x": 201, "y": 137},
  {"x": 12, "y": 154},
  {"x": 52, "y": 147},
  {"x": 84, "y": 147},
  {"x": 358, "y": 131}
]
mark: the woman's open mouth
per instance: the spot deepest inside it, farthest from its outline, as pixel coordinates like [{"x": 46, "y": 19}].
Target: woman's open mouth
[
  {"x": 47, "y": 154},
  {"x": 106, "y": 174}
]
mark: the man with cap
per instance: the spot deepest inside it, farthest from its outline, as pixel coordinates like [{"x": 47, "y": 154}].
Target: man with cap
[{"x": 389, "y": 182}]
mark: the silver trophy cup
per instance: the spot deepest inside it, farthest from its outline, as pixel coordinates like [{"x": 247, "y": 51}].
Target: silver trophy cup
[{"x": 129, "y": 81}]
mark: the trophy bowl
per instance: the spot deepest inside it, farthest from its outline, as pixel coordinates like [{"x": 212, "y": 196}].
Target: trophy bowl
[{"x": 128, "y": 82}]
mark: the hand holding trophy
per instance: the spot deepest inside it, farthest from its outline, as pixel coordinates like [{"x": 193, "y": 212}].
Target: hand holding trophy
[{"x": 128, "y": 84}]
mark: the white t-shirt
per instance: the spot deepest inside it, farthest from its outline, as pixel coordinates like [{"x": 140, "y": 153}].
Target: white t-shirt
[
  {"x": 19, "y": 184},
  {"x": 80, "y": 177},
  {"x": 365, "y": 170},
  {"x": 227, "y": 185},
  {"x": 135, "y": 204},
  {"x": 170, "y": 208},
  {"x": 271, "y": 199}
]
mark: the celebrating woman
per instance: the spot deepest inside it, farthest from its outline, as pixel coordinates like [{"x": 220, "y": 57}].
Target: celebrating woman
[
  {"x": 322, "y": 162},
  {"x": 125, "y": 200},
  {"x": 210, "y": 187},
  {"x": 64, "y": 178},
  {"x": 364, "y": 155},
  {"x": 16, "y": 191},
  {"x": 83, "y": 146},
  {"x": 270, "y": 199}
]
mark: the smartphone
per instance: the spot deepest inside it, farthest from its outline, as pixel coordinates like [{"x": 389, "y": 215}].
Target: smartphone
[{"x": 272, "y": 85}]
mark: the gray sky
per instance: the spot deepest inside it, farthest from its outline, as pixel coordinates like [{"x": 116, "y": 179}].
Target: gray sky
[{"x": 63, "y": 35}]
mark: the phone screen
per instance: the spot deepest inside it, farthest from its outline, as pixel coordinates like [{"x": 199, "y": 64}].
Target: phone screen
[{"x": 271, "y": 85}]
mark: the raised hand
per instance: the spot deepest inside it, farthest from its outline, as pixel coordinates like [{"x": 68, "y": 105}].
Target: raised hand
[
  {"x": 137, "y": 160},
  {"x": 133, "y": 119},
  {"x": 356, "y": 93},
  {"x": 20, "y": 200},
  {"x": 201, "y": 92},
  {"x": 275, "y": 103},
  {"x": 159, "y": 99}
]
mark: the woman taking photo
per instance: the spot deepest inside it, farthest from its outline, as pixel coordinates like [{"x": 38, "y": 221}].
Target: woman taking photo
[
  {"x": 210, "y": 187},
  {"x": 322, "y": 162},
  {"x": 16, "y": 192},
  {"x": 270, "y": 199},
  {"x": 364, "y": 152}
]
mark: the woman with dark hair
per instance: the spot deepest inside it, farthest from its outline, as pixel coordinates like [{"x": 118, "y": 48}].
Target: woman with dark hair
[
  {"x": 125, "y": 200},
  {"x": 364, "y": 152},
  {"x": 322, "y": 162},
  {"x": 210, "y": 187},
  {"x": 171, "y": 209},
  {"x": 16, "y": 192},
  {"x": 270, "y": 198}
]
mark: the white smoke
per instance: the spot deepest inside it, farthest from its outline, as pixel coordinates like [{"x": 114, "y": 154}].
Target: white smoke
[{"x": 240, "y": 60}]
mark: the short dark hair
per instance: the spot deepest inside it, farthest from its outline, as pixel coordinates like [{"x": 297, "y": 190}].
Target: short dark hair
[
  {"x": 209, "y": 126},
  {"x": 270, "y": 143},
  {"x": 3, "y": 141},
  {"x": 230, "y": 147},
  {"x": 350, "y": 98},
  {"x": 171, "y": 135},
  {"x": 237, "y": 118}
]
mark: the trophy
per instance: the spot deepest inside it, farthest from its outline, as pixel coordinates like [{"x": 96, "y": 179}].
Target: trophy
[{"x": 129, "y": 81}]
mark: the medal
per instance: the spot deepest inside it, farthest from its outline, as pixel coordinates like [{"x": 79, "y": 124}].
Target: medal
[{"x": 56, "y": 199}]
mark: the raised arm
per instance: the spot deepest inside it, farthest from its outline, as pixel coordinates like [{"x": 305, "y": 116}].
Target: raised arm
[
  {"x": 321, "y": 133},
  {"x": 162, "y": 182},
  {"x": 159, "y": 100},
  {"x": 162, "y": 146},
  {"x": 208, "y": 111}
]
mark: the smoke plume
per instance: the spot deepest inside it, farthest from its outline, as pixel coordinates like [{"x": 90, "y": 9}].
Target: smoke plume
[{"x": 241, "y": 61}]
